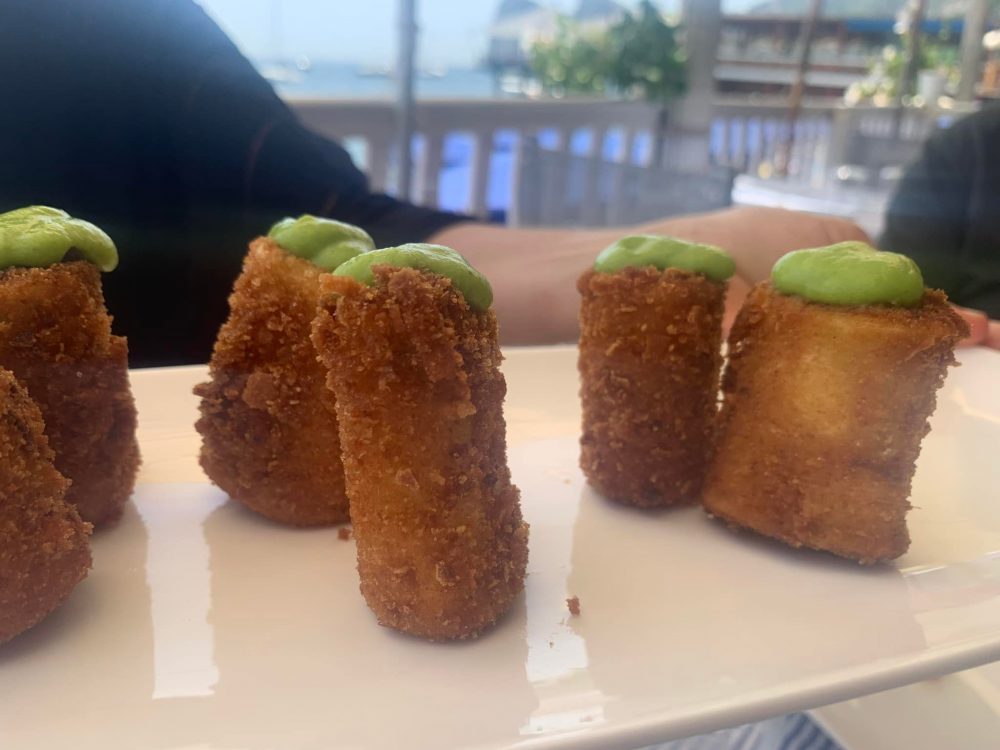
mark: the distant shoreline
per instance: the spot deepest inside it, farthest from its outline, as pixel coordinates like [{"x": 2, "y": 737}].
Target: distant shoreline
[{"x": 354, "y": 80}]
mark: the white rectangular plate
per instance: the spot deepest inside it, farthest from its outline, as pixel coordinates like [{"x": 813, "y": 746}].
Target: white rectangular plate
[{"x": 203, "y": 626}]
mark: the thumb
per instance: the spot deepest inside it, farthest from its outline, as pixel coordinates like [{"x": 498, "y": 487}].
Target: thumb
[{"x": 979, "y": 326}]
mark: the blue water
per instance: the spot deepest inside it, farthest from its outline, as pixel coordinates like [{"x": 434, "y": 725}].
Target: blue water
[{"x": 346, "y": 80}]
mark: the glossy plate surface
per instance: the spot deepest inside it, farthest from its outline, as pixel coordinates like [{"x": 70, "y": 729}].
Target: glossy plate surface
[
  {"x": 960, "y": 710},
  {"x": 205, "y": 627}
]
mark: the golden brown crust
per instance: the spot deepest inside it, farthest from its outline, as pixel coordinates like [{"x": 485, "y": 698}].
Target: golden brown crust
[
  {"x": 573, "y": 605},
  {"x": 824, "y": 410},
  {"x": 442, "y": 547},
  {"x": 44, "y": 551},
  {"x": 649, "y": 376},
  {"x": 55, "y": 336},
  {"x": 268, "y": 422}
]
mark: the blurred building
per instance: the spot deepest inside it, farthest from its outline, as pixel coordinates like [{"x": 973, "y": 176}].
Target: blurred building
[
  {"x": 598, "y": 11},
  {"x": 758, "y": 51}
]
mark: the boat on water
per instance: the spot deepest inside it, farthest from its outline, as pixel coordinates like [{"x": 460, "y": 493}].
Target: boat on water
[
  {"x": 283, "y": 72},
  {"x": 373, "y": 71},
  {"x": 385, "y": 71}
]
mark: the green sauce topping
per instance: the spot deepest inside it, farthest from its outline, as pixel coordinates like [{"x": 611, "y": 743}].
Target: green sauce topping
[
  {"x": 434, "y": 258},
  {"x": 641, "y": 250},
  {"x": 324, "y": 242},
  {"x": 849, "y": 273},
  {"x": 39, "y": 236}
]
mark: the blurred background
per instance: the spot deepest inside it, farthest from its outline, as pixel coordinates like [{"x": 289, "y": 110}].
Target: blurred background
[{"x": 596, "y": 112}]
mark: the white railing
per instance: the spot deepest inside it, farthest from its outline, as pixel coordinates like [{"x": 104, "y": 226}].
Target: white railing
[
  {"x": 746, "y": 136},
  {"x": 373, "y": 123},
  {"x": 749, "y": 135},
  {"x": 827, "y": 135}
]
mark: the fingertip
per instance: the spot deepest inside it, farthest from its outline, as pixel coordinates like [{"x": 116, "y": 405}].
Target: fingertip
[
  {"x": 992, "y": 339},
  {"x": 978, "y": 326}
]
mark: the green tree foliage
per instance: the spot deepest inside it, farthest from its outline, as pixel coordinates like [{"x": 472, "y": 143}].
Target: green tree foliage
[
  {"x": 573, "y": 61},
  {"x": 638, "y": 56},
  {"x": 882, "y": 84},
  {"x": 644, "y": 56}
]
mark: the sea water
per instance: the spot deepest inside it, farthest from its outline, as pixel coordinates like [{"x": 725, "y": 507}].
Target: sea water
[{"x": 350, "y": 81}]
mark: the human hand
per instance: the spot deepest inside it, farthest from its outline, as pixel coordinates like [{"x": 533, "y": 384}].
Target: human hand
[
  {"x": 982, "y": 330},
  {"x": 756, "y": 236},
  {"x": 534, "y": 271}
]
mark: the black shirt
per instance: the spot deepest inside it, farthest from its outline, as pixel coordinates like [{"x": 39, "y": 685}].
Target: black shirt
[
  {"x": 946, "y": 212},
  {"x": 144, "y": 118}
]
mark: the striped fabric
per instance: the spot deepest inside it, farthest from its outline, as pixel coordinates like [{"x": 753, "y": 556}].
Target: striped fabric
[{"x": 793, "y": 732}]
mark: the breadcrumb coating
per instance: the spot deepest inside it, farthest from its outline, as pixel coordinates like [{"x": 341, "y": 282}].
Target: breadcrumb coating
[
  {"x": 442, "y": 547},
  {"x": 55, "y": 336},
  {"x": 268, "y": 422},
  {"x": 44, "y": 552},
  {"x": 824, "y": 410},
  {"x": 649, "y": 376}
]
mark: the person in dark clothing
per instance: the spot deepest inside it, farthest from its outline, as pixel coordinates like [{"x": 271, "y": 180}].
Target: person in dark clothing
[
  {"x": 946, "y": 212},
  {"x": 143, "y": 117}
]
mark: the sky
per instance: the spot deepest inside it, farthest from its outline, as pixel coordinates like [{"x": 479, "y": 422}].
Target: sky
[{"x": 452, "y": 32}]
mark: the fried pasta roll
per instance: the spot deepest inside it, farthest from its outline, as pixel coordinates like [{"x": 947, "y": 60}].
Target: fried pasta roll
[
  {"x": 411, "y": 349},
  {"x": 44, "y": 551},
  {"x": 55, "y": 336},
  {"x": 832, "y": 374},
  {"x": 269, "y": 429},
  {"x": 650, "y": 338}
]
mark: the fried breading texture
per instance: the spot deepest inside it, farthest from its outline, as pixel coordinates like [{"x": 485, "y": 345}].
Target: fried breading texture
[
  {"x": 268, "y": 423},
  {"x": 442, "y": 547},
  {"x": 649, "y": 376},
  {"x": 824, "y": 410},
  {"x": 55, "y": 336},
  {"x": 44, "y": 552}
]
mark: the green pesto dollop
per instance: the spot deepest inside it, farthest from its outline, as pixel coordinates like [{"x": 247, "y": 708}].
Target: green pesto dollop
[
  {"x": 639, "y": 250},
  {"x": 40, "y": 236},
  {"x": 849, "y": 273},
  {"x": 434, "y": 258},
  {"x": 323, "y": 242}
]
